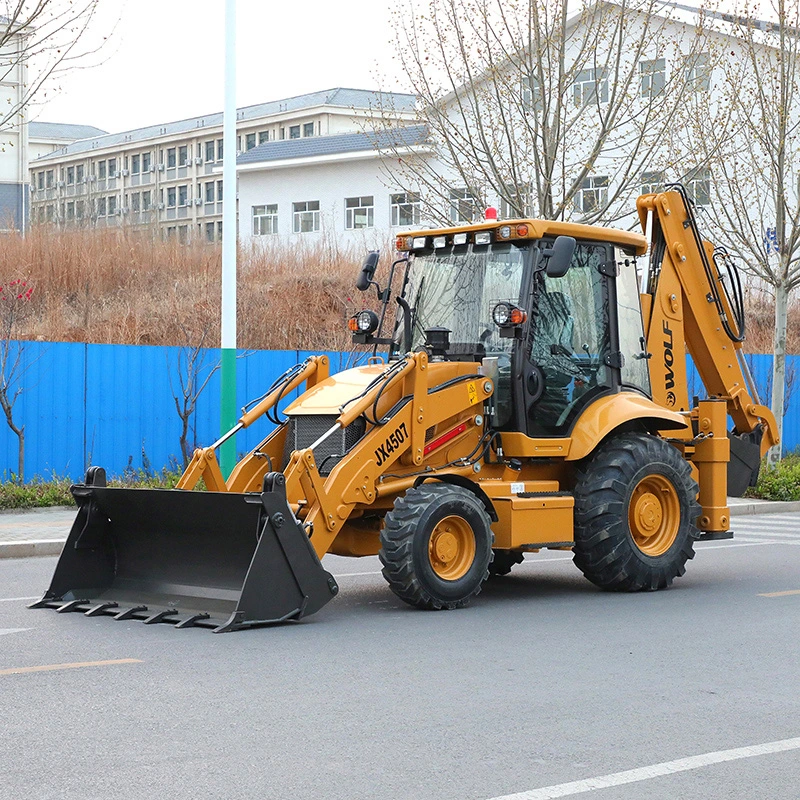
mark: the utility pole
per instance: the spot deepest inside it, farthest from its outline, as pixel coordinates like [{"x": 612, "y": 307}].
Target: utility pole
[{"x": 228, "y": 413}]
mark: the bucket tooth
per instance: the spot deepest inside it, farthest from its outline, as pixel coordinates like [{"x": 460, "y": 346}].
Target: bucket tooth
[
  {"x": 100, "y": 608},
  {"x": 72, "y": 605},
  {"x": 160, "y": 616},
  {"x": 128, "y": 613},
  {"x": 46, "y": 601},
  {"x": 190, "y": 622}
]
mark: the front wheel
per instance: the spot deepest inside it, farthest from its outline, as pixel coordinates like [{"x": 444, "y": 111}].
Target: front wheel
[
  {"x": 635, "y": 514},
  {"x": 436, "y": 545}
]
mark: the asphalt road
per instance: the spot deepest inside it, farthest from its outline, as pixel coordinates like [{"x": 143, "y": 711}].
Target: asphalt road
[{"x": 543, "y": 681}]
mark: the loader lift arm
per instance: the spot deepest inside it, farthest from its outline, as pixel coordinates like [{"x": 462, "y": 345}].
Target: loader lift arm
[{"x": 688, "y": 306}]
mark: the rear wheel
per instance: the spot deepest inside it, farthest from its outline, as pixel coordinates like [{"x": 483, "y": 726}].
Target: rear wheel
[
  {"x": 635, "y": 514},
  {"x": 436, "y": 546},
  {"x": 503, "y": 561}
]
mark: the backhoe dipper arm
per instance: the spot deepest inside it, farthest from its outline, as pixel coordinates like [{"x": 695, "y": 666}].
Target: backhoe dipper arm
[{"x": 687, "y": 306}]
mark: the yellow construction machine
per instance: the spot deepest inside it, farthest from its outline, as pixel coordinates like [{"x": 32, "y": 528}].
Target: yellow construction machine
[{"x": 533, "y": 394}]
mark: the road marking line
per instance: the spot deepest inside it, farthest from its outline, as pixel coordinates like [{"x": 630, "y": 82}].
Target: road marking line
[
  {"x": 18, "y": 599},
  {"x": 780, "y": 594},
  {"x": 653, "y": 771},
  {"x": 6, "y": 631},
  {"x": 735, "y": 544},
  {"x": 77, "y": 665}
]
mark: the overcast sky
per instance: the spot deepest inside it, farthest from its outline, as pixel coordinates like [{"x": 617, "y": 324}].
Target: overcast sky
[{"x": 165, "y": 59}]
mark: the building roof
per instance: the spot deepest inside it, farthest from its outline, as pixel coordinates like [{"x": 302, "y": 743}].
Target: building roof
[
  {"x": 312, "y": 146},
  {"x": 62, "y": 130},
  {"x": 340, "y": 98}
]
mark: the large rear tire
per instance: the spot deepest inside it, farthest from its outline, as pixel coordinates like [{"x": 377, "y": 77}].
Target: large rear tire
[
  {"x": 635, "y": 514},
  {"x": 436, "y": 545}
]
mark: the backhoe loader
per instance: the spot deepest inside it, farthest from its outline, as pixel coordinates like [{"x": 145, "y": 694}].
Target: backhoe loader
[{"x": 532, "y": 394}]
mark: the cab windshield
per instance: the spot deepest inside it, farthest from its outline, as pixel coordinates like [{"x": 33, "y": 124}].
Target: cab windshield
[{"x": 457, "y": 288}]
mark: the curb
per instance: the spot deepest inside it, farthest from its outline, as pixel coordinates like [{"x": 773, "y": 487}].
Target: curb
[
  {"x": 41, "y": 547},
  {"x": 755, "y": 507}
]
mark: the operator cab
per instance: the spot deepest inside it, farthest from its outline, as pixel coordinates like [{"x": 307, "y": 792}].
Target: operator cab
[{"x": 554, "y": 318}]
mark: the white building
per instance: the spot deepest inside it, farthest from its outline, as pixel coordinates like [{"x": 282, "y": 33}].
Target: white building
[{"x": 168, "y": 176}]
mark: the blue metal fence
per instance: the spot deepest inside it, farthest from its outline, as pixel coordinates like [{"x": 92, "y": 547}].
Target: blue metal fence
[{"x": 113, "y": 405}]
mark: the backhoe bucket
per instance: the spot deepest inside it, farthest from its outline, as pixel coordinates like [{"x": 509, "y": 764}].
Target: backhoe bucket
[{"x": 216, "y": 559}]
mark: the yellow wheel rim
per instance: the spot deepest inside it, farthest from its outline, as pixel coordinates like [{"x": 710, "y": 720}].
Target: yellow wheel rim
[
  {"x": 654, "y": 515},
  {"x": 451, "y": 548}
]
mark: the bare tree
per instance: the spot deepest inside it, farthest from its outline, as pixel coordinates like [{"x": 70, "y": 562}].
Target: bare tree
[
  {"x": 40, "y": 39},
  {"x": 561, "y": 110},
  {"x": 14, "y": 297},
  {"x": 756, "y": 172}
]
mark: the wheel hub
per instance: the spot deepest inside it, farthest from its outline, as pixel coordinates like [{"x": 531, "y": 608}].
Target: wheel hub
[
  {"x": 451, "y": 548},
  {"x": 654, "y": 515}
]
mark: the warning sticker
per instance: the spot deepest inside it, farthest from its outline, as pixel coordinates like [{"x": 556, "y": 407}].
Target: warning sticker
[{"x": 472, "y": 391}]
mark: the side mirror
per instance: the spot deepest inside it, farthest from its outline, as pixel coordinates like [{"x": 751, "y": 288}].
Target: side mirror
[
  {"x": 368, "y": 270},
  {"x": 559, "y": 256}
]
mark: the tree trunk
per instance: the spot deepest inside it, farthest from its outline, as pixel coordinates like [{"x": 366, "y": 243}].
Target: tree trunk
[
  {"x": 21, "y": 455},
  {"x": 779, "y": 367}
]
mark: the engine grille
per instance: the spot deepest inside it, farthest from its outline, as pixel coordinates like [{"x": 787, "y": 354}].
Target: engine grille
[{"x": 305, "y": 429}]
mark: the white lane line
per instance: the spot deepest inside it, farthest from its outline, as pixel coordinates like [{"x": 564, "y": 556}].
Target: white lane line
[
  {"x": 17, "y": 599},
  {"x": 5, "y": 631},
  {"x": 653, "y": 771},
  {"x": 705, "y": 546}
]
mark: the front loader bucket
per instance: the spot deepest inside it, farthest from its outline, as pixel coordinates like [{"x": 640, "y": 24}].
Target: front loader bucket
[{"x": 216, "y": 559}]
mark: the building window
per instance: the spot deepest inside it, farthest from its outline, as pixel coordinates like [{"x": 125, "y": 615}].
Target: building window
[
  {"x": 146, "y": 201},
  {"x": 652, "y": 182},
  {"x": 359, "y": 212},
  {"x": 219, "y": 230},
  {"x": 136, "y": 202},
  {"x": 183, "y": 195},
  {"x": 249, "y": 141},
  {"x": 305, "y": 216},
  {"x": 70, "y": 211},
  {"x": 101, "y": 206},
  {"x": 50, "y": 178},
  {"x": 80, "y": 173},
  {"x": 172, "y": 157},
  {"x": 101, "y": 170},
  {"x": 405, "y": 209},
  {"x": 263, "y": 136},
  {"x": 50, "y": 213},
  {"x": 265, "y": 220},
  {"x": 210, "y": 151},
  {"x": 219, "y": 191},
  {"x": 146, "y": 161},
  {"x": 698, "y": 186},
  {"x": 171, "y": 197},
  {"x": 112, "y": 167},
  {"x": 531, "y": 93},
  {"x": 294, "y": 131},
  {"x": 135, "y": 164},
  {"x": 591, "y": 85},
  {"x": 219, "y": 149},
  {"x": 463, "y": 205},
  {"x": 80, "y": 209},
  {"x": 698, "y": 72},
  {"x": 593, "y": 194},
  {"x": 517, "y": 201},
  {"x": 40, "y": 180},
  {"x": 210, "y": 186},
  {"x": 112, "y": 205},
  {"x": 653, "y": 76},
  {"x": 183, "y": 233},
  {"x": 70, "y": 176},
  {"x": 308, "y": 129},
  {"x": 183, "y": 155},
  {"x": 209, "y": 231}
]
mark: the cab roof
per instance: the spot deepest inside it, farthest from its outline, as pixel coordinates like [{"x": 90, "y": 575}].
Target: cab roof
[{"x": 533, "y": 229}]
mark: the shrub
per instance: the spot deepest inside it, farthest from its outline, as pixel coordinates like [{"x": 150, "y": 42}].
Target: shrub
[{"x": 781, "y": 482}]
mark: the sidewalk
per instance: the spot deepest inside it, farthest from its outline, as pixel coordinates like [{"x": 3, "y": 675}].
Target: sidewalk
[{"x": 43, "y": 531}]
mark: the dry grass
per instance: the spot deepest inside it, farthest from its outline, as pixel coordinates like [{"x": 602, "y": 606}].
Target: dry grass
[{"x": 124, "y": 287}]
